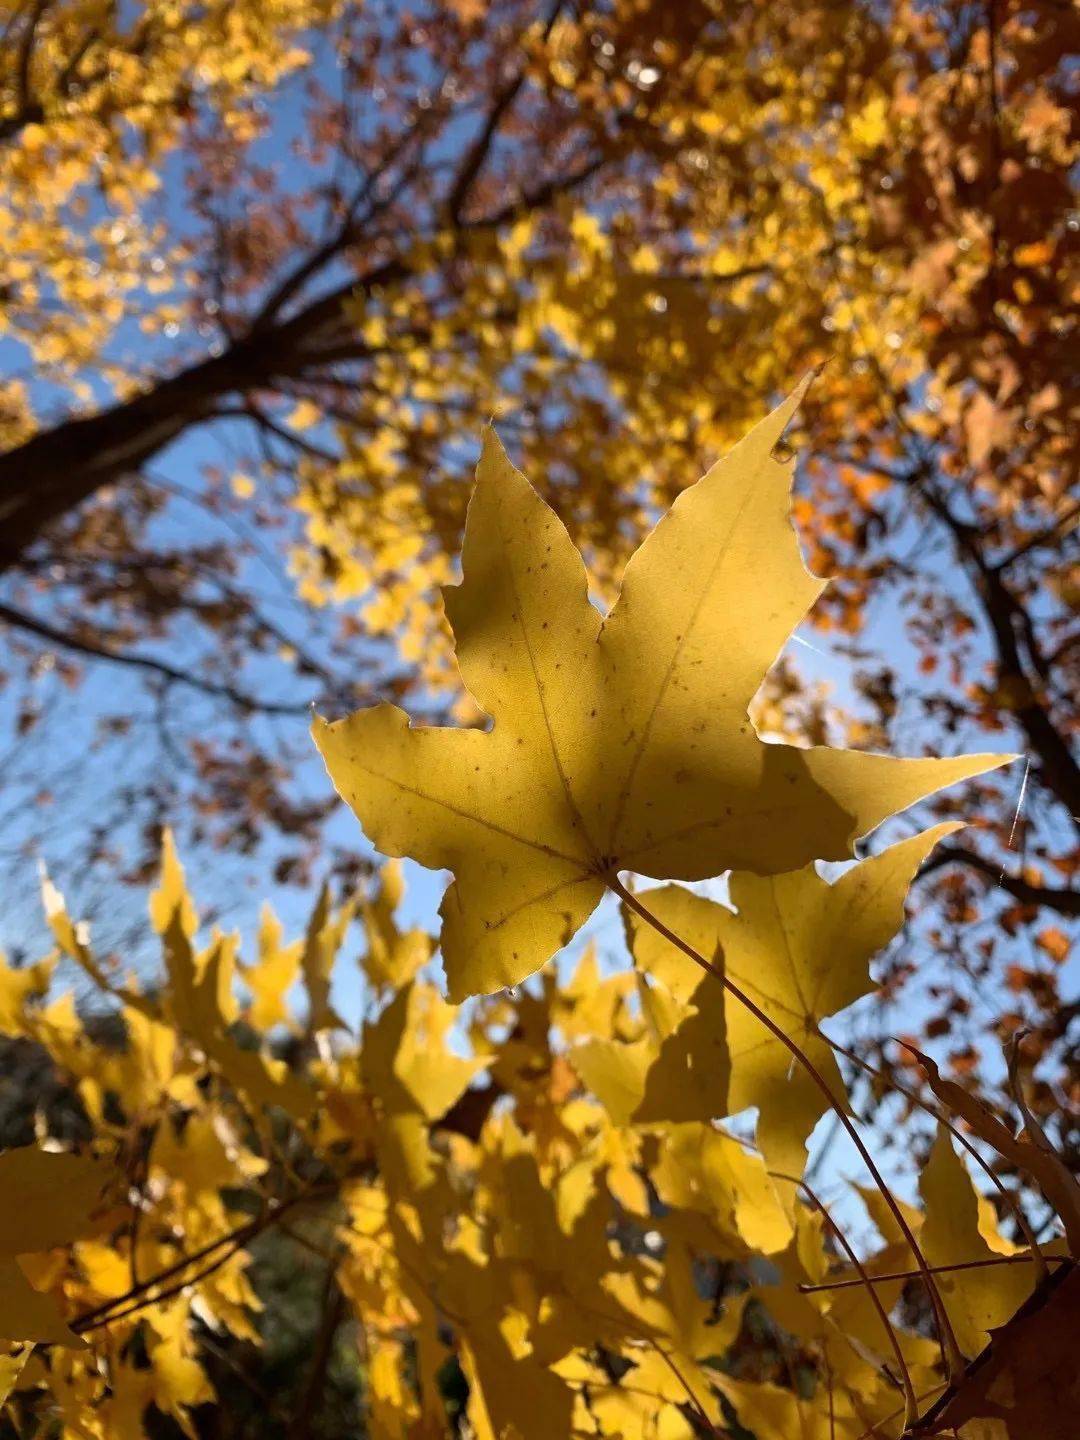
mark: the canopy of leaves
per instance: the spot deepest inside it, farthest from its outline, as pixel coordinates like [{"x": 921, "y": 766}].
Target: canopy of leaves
[
  {"x": 270, "y": 266},
  {"x": 566, "y": 1231},
  {"x": 493, "y": 1246}
]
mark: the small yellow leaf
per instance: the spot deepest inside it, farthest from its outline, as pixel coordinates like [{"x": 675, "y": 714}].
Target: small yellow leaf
[
  {"x": 800, "y": 949},
  {"x": 303, "y": 416},
  {"x": 46, "y": 1199},
  {"x": 171, "y": 897},
  {"x": 325, "y": 935},
  {"x": 1039, "y": 252},
  {"x": 405, "y": 1059},
  {"x": 977, "y": 1300},
  {"x": 11, "y": 1367},
  {"x": 272, "y": 975},
  {"x": 393, "y": 956}
]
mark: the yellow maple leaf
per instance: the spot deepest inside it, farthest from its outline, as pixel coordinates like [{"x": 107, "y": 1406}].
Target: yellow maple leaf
[
  {"x": 46, "y": 1199},
  {"x": 393, "y": 956},
  {"x": 800, "y": 948},
  {"x": 978, "y": 1300},
  {"x": 405, "y": 1060},
  {"x": 17, "y": 987},
  {"x": 201, "y": 1000},
  {"x": 323, "y": 939},
  {"x": 620, "y": 742},
  {"x": 271, "y": 976},
  {"x": 11, "y": 1367}
]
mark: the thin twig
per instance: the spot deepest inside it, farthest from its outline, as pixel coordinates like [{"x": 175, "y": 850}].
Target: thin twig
[
  {"x": 911, "y": 1409},
  {"x": 102, "y": 1314},
  {"x": 954, "y": 1360},
  {"x": 848, "y": 1284},
  {"x": 171, "y": 673},
  {"x": 1009, "y": 1198},
  {"x": 333, "y": 1312},
  {"x": 895, "y": 1414}
]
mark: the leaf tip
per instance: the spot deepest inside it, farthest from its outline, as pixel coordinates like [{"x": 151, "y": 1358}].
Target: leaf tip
[
  {"x": 492, "y": 451},
  {"x": 786, "y": 411},
  {"x": 319, "y": 729},
  {"x": 928, "y": 1064}
]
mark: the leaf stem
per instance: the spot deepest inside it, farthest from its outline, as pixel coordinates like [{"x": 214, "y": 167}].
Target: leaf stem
[
  {"x": 695, "y": 1404},
  {"x": 1011, "y": 1200},
  {"x": 893, "y": 1415},
  {"x": 234, "y": 1240},
  {"x": 954, "y": 1360},
  {"x": 911, "y": 1407}
]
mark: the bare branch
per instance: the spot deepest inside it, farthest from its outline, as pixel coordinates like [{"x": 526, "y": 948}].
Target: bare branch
[
  {"x": 477, "y": 154},
  {"x": 1065, "y": 902},
  {"x": 28, "y": 111},
  {"x": 1013, "y": 633},
  {"x": 249, "y": 703}
]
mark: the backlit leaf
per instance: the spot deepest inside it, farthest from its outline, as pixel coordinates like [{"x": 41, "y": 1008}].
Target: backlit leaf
[{"x": 617, "y": 743}]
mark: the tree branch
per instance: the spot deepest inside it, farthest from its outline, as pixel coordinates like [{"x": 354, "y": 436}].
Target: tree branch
[
  {"x": 28, "y": 111},
  {"x": 57, "y": 470},
  {"x": 138, "y": 1297},
  {"x": 20, "y": 620},
  {"x": 1010, "y": 627},
  {"x": 1065, "y": 902},
  {"x": 477, "y": 154},
  {"x": 333, "y": 1312}
]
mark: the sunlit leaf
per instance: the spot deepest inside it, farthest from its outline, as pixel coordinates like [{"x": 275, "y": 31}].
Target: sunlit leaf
[{"x": 617, "y": 743}]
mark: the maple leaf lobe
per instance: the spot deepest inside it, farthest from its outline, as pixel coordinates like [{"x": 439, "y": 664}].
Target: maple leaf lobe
[{"x": 618, "y": 742}]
